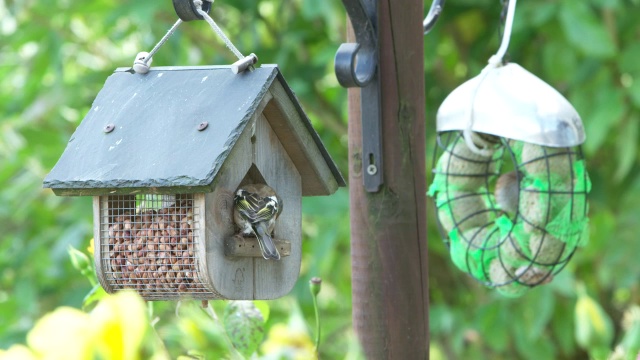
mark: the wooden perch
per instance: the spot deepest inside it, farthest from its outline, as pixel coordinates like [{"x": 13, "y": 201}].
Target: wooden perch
[{"x": 240, "y": 246}]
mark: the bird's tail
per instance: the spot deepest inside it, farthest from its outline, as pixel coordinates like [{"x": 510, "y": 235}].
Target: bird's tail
[{"x": 267, "y": 246}]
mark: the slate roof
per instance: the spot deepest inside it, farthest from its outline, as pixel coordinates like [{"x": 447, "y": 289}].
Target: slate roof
[{"x": 155, "y": 142}]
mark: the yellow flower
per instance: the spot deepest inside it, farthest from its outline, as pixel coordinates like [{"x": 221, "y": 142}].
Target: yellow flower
[
  {"x": 17, "y": 352},
  {"x": 115, "y": 330},
  {"x": 90, "y": 248},
  {"x": 121, "y": 324},
  {"x": 63, "y": 334},
  {"x": 288, "y": 343}
]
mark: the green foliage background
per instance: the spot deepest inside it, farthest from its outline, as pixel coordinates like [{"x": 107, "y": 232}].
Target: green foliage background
[{"x": 56, "y": 55}]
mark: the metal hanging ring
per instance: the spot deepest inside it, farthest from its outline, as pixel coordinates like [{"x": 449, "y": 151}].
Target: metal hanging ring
[
  {"x": 187, "y": 11},
  {"x": 432, "y": 17}
]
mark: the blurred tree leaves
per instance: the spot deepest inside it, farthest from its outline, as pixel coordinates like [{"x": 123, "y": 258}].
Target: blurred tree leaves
[{"x": 584, "y": 31}]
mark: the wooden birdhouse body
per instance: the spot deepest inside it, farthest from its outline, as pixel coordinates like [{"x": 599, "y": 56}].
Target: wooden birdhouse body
[{"x": 164, "y": 153}]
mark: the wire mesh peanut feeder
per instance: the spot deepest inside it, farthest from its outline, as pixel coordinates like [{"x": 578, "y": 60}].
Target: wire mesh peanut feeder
[
  {"x": 151, "y": 243},
  {"x": 510, "y": 183}
]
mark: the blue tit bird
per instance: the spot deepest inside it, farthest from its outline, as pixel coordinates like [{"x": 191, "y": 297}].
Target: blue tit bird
[{"x": 257, "y": 206}]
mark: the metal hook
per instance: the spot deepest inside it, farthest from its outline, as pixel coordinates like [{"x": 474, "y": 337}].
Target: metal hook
[
  {"x": 356, "y": 63},
  {"x": 432, "y": 17},
  {"x": 187, "y": 10}
]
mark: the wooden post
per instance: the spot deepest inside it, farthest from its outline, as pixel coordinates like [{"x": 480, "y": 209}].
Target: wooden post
[{"x": 388, "y": 228}]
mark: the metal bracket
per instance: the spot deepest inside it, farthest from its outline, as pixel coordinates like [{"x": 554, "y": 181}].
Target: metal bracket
[{"x": 356, "y": 65}]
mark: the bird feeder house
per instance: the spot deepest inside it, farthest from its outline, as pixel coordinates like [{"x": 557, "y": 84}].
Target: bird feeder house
[{"x": 163, "y": 154}]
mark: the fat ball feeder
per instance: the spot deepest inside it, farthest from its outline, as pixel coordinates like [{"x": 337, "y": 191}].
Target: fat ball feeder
[{"x": 510, "y": 183}]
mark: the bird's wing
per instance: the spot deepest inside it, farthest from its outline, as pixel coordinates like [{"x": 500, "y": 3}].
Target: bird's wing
[
  {"x": 254, "y": 209},
  {"x": 267, "y": 212}
]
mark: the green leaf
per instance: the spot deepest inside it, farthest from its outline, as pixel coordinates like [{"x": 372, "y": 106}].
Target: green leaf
[
  {"x": 79, "y": 260},
  {"x": 263, "y": 306},
  {"x": 631, "y": 340},
  {"x": 95, "y": 295},
  {"x": 244, "y": 324},
  {"x": 628, "y": 59},
  {"x": 559, "y": 62},
  {"x": 634, "y": 91},
  {"x": 542, "y": 302},
  {"x": 562, "y": 328},
  {"x": 600, "y": 113},
  {"x": 487, "y": 317},
  {"x": 607, "y": 3},
  {"x": 532, "y": 349},
  {"x": 626, "y": 148},
  {"x": 593, "y": 326},
  {"x": 536, "y": 14},
  {"x": 584, "y": 30},
  {"x": 192, "y": 355}
]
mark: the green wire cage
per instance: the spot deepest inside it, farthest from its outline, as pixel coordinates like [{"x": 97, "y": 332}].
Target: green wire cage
[{"x": 522, "y": 241}]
